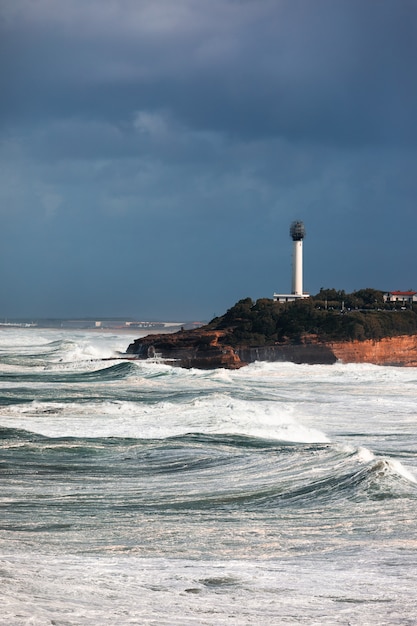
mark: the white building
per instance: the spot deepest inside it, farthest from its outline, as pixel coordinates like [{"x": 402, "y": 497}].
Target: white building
[{"x": 400, "y": 297}]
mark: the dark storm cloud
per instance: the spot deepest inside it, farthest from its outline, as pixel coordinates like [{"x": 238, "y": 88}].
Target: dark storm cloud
[
  {"x": 317, "y": 71},
  {"x": 157, "y": 150}
]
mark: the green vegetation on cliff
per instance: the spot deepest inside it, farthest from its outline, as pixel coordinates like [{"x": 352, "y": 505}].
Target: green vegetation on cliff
[{"x": 330, "y": 316}]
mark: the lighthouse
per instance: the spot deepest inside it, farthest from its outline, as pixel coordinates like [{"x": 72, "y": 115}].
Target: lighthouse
[{"x": 297, "y": 233}]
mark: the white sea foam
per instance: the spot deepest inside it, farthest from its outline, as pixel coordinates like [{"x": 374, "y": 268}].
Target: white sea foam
[
  {"x": 124, "y": 588},
  {"x": 219, "y": 414},
  {"x": 365, "y": 455},
  {"x": 399, "y": 469}
]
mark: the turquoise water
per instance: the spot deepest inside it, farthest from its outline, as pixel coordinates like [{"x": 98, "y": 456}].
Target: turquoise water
[{"x": 137, "y": 493}]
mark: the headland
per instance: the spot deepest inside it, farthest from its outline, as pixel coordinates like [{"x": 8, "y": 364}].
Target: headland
[{"x": 332, "y": 326}]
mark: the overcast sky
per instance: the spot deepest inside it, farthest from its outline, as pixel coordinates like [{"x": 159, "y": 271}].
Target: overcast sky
[{"x": 153, "y": 153}]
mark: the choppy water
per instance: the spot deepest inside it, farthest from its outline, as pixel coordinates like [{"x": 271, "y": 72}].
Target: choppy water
[{"x": 136, "y": 493}]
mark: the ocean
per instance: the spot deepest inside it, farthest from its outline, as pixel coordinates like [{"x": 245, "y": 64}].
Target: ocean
[{"x": 137, "y": 493}]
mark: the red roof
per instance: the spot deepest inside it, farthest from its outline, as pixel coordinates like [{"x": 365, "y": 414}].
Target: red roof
[{"x": 403, "y": 293}]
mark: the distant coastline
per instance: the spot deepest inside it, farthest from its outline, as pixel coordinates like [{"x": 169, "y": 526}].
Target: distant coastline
[{"x": 100, "y": 324}]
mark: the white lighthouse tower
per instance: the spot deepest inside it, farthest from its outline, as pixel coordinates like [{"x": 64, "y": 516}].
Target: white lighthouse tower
[{"x": 297, "y": 232}]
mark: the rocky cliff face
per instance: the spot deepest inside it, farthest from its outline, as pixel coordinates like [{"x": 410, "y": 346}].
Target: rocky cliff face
[
  {"x": 209, "y": 350},
  {"x": 389, "y": 351}
]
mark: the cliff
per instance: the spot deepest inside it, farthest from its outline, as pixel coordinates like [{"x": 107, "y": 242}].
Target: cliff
[
  {"x": 400, "y": 350},
  {"x": 209, "y": 350}
]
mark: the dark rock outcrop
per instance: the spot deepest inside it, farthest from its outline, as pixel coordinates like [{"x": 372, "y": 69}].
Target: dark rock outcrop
[
  {"x": 190, "y": 348},
  {"x": 311, "y": 353},
  {"x": 209, "y": 349}
]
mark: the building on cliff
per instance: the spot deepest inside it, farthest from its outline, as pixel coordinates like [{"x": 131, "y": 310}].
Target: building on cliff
[
  {"x": 297, "y": 233},
  {"x": 400, "y": 297}
]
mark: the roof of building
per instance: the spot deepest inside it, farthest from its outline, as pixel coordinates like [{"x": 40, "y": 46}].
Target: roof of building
[{"x": 403, "y": 293}]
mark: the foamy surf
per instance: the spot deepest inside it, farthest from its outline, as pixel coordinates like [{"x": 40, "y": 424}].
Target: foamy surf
[
  {"x": 213, "y": 414},
  {"x": 153, "y": 495}
]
